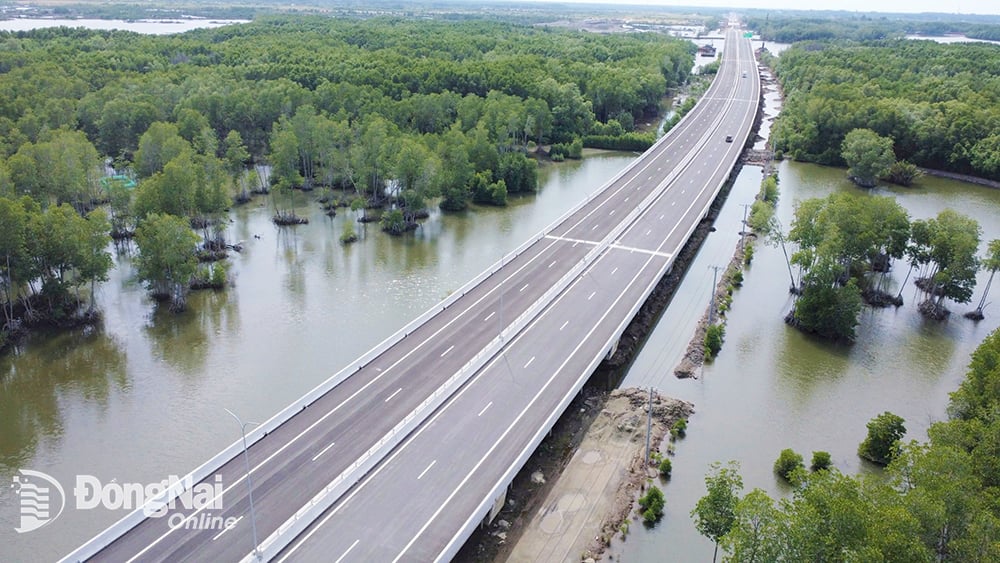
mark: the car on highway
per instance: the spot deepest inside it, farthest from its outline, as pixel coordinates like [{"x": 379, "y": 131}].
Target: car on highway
[{"x": 729, "y": 138}]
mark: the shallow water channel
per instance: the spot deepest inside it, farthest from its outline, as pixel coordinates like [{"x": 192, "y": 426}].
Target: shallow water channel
[
  {"x": 773, "y": 387},
  {"x": 143, "y": 397}
]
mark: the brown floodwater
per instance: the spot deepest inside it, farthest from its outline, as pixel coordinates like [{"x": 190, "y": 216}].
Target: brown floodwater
[{"x": 773, "y": 387}]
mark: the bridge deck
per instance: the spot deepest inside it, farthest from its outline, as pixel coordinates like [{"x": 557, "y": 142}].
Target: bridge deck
[{"x": 501, "y": 413}]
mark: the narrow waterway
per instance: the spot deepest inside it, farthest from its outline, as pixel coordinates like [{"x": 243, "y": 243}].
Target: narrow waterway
[
  {"x": 143, "y": 396},
  {"x": 146, "y": 27},
  {"x": 773, "y": 387}
]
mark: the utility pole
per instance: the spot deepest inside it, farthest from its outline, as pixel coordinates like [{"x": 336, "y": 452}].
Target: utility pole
[
  {"x": 711, "y": 308},
  {"x": 246, "y": 458},
  {"x": 743, "y": 231},
  {"x": 649, "y": 423}
]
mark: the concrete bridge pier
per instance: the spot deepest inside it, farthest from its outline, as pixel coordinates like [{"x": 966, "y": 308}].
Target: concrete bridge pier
[{"x": 614, "y": 348}]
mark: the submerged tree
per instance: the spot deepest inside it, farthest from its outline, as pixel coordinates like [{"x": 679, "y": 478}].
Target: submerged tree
[
  {"x": 167, "y": 257},
  {"x": 945, "y": 248},
  {"x": 846, "y": 245},
  {"x": 992, "y": 263}
]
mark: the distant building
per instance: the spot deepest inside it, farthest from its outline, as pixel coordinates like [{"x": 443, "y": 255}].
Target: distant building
[{"x": 706, "y": 51}]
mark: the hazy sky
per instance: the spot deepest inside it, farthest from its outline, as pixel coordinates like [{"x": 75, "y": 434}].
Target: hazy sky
[{"x": 948, "y": 6}]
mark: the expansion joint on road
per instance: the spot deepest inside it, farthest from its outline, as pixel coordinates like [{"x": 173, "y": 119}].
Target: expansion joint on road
[
  {"x": 573, "y": 240},
  {"x": 666, "y": 255}
]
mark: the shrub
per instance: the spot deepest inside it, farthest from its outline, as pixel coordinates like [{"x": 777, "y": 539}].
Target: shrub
[
  {"x": 348, "y": 235},
  {"x": 903, "y": 173},
  {"x": 787, "y": 464},
  {"x": 884, "y": 433},
  {"x": 638, "y": 142},
  {"x": 748, "y": 254},
  {"x": 665, "y": 467},
  {"x": 393, "y": 222},
  {"x": 769, "y": 189},
  {"x": 761, "y": 215},
  {"x": 652, "y": 504},
  {"x": 713, "y": 340},
  {"x": 737, "y": 278},
  {"x": 820, "y": 461},
  {"x": 220, "y": 275},
  {"x": 679, "y": 429}
]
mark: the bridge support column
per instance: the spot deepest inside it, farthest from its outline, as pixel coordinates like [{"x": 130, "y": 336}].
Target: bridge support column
[
  {"x": 497, "y": 507},
  {"x": 614, "y": 348}
]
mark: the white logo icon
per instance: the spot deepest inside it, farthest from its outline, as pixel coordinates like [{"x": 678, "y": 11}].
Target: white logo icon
[
  {"x": 37, "y": 492},
  {"x": 43, "y": 499}
]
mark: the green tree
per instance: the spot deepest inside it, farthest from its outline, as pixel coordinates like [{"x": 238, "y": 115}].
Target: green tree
[
  {"x": 884, "y": 433},
  {"x": 160, "y": 144},
  {"x": 827, "y": 308},
  {"x": 348, "y": 234},
  {"x": 171, "y": 191},
  {"x": 868, "y": 156},
  {"x": 947, "y": 246},
  {"x": 715, "y": 513},
  {"x": 94, "y": 262},
  {"x": 488, "y": 192},
  {"x": 992, "y": 263},
  {"x": 167, "y": 257},
  {"x": 13, "y": 253},
  {"x": 61, "y": 168},
  {"x": 455, "y": 153},
  {"x": 518, "y": 172},
  {"x": 122, "y": 213},
  {"x": 235, "y": 157},
  {"x": 756, "y": 532}
]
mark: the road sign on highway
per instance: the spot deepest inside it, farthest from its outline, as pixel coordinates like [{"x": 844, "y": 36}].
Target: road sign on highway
[{"x": 748, "y": 35}]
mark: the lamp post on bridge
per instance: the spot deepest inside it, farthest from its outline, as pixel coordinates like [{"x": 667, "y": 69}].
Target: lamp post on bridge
[{"x": 246, "y": 459}]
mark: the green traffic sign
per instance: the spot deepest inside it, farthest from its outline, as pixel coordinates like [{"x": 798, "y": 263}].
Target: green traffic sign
[{"x": 748, "y": 35}]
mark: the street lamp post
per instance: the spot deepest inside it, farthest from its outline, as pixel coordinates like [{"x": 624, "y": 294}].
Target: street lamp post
[{"x": 246, "y": 459}]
